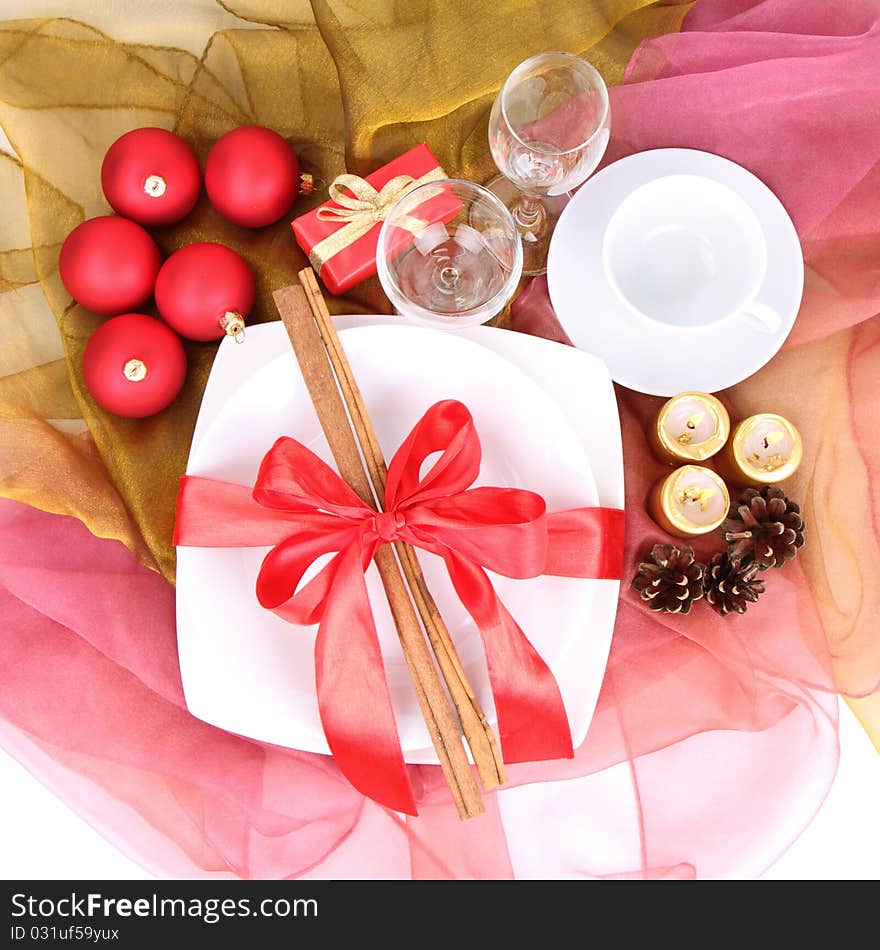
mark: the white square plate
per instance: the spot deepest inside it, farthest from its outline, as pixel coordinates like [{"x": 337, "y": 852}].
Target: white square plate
[{"x": 230, "y": 670}]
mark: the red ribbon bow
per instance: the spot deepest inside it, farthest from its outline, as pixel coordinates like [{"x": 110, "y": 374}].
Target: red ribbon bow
[{"x": 302, "y": 507}]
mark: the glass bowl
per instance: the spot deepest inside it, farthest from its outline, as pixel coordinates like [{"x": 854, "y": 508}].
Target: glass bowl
[{"x": 449, "y": 254}]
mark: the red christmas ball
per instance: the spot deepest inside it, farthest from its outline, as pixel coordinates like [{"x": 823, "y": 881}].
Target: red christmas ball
[
  {"x": 205, "y": 290},
  {"x": 109, "y": 264},
  {"x": 252, "y": 176},
  {"x": 134, "y": 365},
  {"x": 151, "y": 176}
]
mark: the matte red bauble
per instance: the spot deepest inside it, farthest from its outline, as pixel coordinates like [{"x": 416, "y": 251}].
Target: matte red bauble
[
  {"x": 134, "y": 365},
  {"x": 151, "y": 176},
  {"x": 205, "y": 290},
  {"x": 252, "y": 176},
  {"x": 109, "y": 264}
]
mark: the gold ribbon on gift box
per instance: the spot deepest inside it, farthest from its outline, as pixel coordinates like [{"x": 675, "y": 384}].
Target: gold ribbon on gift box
[{"x": 364, "y": 208}]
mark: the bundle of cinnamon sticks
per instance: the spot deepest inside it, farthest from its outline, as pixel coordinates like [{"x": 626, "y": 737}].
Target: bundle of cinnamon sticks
[{"x": 352, "y": 439}]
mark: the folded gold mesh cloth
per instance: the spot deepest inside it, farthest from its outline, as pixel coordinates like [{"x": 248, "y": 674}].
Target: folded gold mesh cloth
[{"x": 350, "y": 85}]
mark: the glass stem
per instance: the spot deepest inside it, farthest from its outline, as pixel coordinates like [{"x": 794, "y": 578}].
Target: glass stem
[{"x": 530, "y": 216}]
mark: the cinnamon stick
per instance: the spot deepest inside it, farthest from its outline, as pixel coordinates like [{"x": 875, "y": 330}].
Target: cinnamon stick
[
  {"x": 317, "y": 372},
  {"x": 477, "y": 731}
]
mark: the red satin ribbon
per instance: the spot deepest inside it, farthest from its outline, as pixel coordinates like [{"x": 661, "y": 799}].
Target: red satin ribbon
[{"x": 305, "y": 510}]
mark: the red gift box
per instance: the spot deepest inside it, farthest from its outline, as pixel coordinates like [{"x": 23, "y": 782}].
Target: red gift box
[{"x": 343, "y": 258}]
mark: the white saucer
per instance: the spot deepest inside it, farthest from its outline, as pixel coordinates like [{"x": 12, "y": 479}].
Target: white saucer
[{"x": 644, "y": 354}]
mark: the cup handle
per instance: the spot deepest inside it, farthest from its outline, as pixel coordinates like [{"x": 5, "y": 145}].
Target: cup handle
[{"x": 766, "y": 317}]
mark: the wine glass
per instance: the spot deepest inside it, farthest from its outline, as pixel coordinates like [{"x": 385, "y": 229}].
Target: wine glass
[
  {"x": 449, "y": 254},
  {"x": 548, "y": 131}
]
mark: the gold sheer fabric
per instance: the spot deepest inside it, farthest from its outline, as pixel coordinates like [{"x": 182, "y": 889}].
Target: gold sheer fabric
[{"x": 349, "y": 84}]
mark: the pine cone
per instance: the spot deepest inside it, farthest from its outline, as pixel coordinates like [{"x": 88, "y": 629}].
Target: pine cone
[
  {"x": 671, "y": 579},
  {"x": 731, "y": 585},
  {"x": 764, "y": 526}
]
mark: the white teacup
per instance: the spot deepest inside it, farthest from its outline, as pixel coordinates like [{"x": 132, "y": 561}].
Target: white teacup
[{"x": 688, "y": 252}]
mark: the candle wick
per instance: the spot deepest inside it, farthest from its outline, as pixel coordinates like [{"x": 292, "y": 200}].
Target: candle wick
[
  {"x": 771, "y": 438},
  {"x": 699, "y": 495},
  {"x": 691, "y": 423}
]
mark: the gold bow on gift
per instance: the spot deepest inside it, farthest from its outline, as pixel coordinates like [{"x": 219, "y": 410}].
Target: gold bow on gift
[{"x": 363, "y": 208}]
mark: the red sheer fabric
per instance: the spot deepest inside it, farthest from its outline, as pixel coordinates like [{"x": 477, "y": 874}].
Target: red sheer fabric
[
  {"x": 90, "y": 701},
  {"x": 784, "y": 89}
]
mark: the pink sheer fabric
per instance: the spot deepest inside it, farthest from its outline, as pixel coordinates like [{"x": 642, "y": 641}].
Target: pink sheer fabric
[
  {"x": 785, "y": 89},
  {"x": 90, "y": 701},
  {"x": 721, "y": 732}
]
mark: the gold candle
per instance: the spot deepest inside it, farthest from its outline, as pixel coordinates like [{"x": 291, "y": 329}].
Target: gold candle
[
  {"x": 690, "y": 501},
  {"x": 690, "y": 427},
  {"x": 763, "y": 450}
]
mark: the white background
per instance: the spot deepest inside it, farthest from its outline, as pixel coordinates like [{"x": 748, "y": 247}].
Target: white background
[{"x": 43, "y": 840}]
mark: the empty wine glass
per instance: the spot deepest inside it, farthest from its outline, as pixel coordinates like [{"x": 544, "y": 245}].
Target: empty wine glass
[
  {"x": 449, "y": 254},
  {"x": 548, "y": 131}
]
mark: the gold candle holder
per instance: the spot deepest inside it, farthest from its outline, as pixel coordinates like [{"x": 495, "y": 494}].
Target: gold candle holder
[
  {"x": 764, "y": 449},
  {"x": 690, "y": 427},
  {"x": 690, "y": 501}
]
